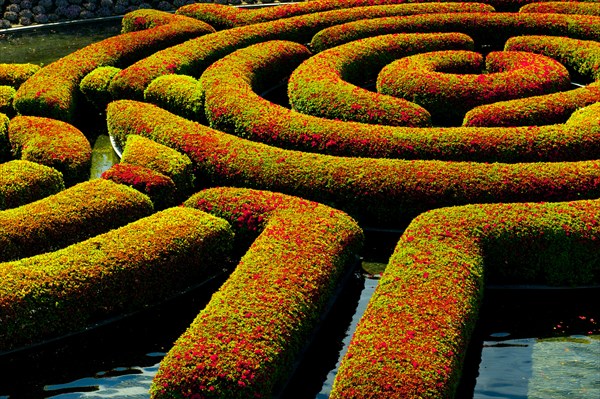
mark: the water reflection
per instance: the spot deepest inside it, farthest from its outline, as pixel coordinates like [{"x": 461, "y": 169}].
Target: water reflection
[{"x": 103, "y": 156}]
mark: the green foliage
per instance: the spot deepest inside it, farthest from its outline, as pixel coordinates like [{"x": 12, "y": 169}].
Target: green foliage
[{"x": 22, "y": 182}]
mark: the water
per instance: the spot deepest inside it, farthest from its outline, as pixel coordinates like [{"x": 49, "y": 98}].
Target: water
[
  {"x": 103, "y": 156},
  {"x": 44, "y": 44}
]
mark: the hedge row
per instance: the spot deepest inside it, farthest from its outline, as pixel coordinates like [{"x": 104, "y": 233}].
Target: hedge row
[
  {"x": 94, "y": 86},
  {"x": 5, "y": 154},
  {"x": 158, "y": 187},
  {"x": 121, "y": 271},
  {"x": 450, "y": 83},
  {"x": 162, "y": 159},
  {"x": 7, "y": 94},
  {"x": 233, "y": 106},
  {"x": 52, "y": 143},
  {"x": 537, "y": 110},
  {"x": 581, "y": 56},
  {"x": 484, "y": 28},
  {"x": 179, "y": 94},
  {"x": 244, "y": 345},
  {"x": 380, "y": 191},
  {"x": 325, "y": 85},
  {"x": 563, "y": 7},
  {"x": 194, "y": 56},
  {"x": 223, "y": 17},
  {"x": 72, "y": 215},
  {"x": 15, "y": 74},
  {"x": 22, "y": 182},
  {"x": 411, "y": 340},
  {"x": 52, "y": 91}
]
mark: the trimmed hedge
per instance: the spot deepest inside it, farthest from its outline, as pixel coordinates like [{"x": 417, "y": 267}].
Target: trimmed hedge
[
  {"x": 15, "y": 74},
  {"x": 7, "y": 93},
  {"x": 72, "y": 215},
  {"x": 94, "y": 86},
  {"x": 194, "y": 56},
  {"x": 179, "y": 94},
  {"x": 537, "y": 110},
  {"x": 162, "y": 159},
  {"x": 563, "y": 7},
  {"x": 411, "y": 340},
  {"x": 325, "y": 85},
  {"x": 53, "y": 91},
  {"x": 484, "y": 28},
  {"x": 121, "y": 271},
  {"x": 233, "y": 106},
  {"x": 5, "y": 154},
  {"x": 244, "y": 345},
  {"x": 22, "y": 182},
  {"x": 582, "y": 56},
  {"x": 155, "y": 185},
  {"x": 224, "y": 17},
  {"x": 450, "y": 83},
  {"x": 52, "y": 143},
  {"x": 380, "y": 191}
]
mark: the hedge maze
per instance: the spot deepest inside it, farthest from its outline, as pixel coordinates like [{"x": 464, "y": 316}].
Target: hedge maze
[{"x": 473, "y": 127}]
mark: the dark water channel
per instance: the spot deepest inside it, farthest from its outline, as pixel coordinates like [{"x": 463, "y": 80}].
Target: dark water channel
[{"x": 529, "y": 344}]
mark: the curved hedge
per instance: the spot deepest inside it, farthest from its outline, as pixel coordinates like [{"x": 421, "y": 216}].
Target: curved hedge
[
  {"x": 331, "y": 77},
  {"x": 224, "y": 17},
  {"x": 120, "y": 271},
  {"x": 450, "y": 83},
  {"x": 244, "y": 345},
  {"x": 563, "y": 7},
  {"x": 67, "y": 217},
  {"x": 53, "y": 91},
  {"x": 22, "y": 182},
  {"x": 537, "y": 110},
  {"x": 15, "y": 74},
  {"x": 158, "y": 187},
  {"x": 482, "y": 27},
  {"x": 233, "y": 106},
  {"x": 5, "y": 154},
  {"x": 52, "y": 143},
  {"x": 179, "y": 94},
  {"x": 582, "y": 56},
  {"x": 162, "y": 159},
  {"x": 411, "y": 340},
  {"x": 376, "y": 190},
  {"x": 7, "y": 94},
  {"x": 194, "y": 56},
  {"x": 94, "y": 86}
]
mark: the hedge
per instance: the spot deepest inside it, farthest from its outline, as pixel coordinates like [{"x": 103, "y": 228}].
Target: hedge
[
  {"x": 121, "y": 271},
  {"x": 379, "y": 191},
  {"x": 53, "y": 91},
  {"x": 179, "y": 94},
  {"x": 331, "y": 77},
  {"x": 52, "y": 143},
  {"x": 15, "y": 74},
  {"x": 450, "y": 83},
  {"x": 162, "y": 159},
  {"x": 563, "y": 7},
  {"x": 484, "y": 28},
  {"x": 411, "y": 340},
  {"x": 7, "y": 93},
  {"x": 94, "y": 86},
  {"x": 224, "y": 17},
  {"x": 71, "y": 215},
  {"x": 158, "y": 187},
  {"x": 5, "y": 154},
  {"x": 22, "y": 182},
  {"x": 244, "y": 345},
  {"x": 233, "y": 106},
  {"x": 537, "y": 110},
  {"x": 582, "y": 56},
  {"x": 194, "y": 56}
]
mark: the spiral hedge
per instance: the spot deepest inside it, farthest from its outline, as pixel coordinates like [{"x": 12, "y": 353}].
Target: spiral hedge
[{"x": 511, "y": 196}]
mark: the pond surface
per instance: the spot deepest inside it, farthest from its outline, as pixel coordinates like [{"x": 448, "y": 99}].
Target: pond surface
[{"x": 45, "y": 44}]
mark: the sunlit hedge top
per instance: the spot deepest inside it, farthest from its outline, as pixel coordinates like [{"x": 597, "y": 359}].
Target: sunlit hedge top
[
  {"x": 563, "y": 7},
  {"x": 15, "y": 74},
  {"x": 22, "y": 182}
]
